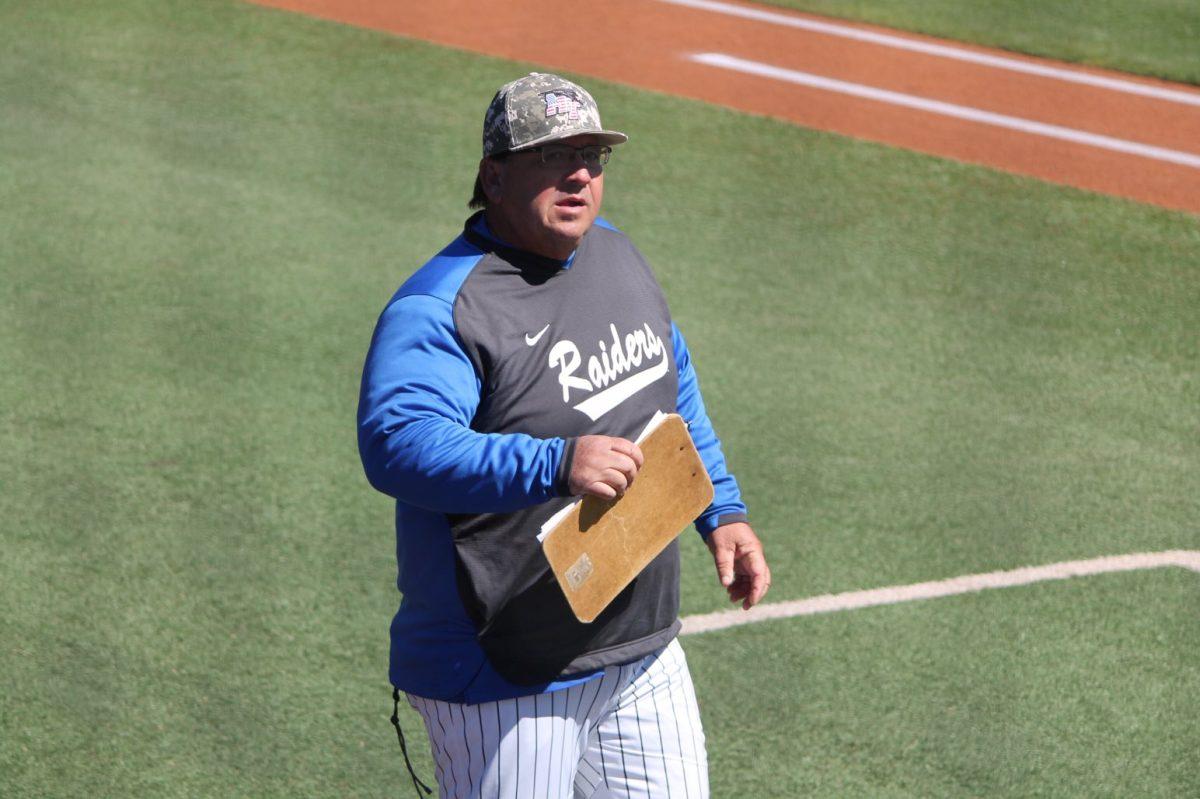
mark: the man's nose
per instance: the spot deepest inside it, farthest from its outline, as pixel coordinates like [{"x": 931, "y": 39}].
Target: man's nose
[{"x": 579, "y": 172}]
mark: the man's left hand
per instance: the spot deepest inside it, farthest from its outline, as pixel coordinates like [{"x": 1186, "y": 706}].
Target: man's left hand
[{"x": 741, "y": 566}]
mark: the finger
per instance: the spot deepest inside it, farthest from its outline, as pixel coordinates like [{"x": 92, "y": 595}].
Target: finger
[
  {"x": 740, "y": 588},
  {"x": 616, "y": 479},
  {"x": 757, "y": 592},
  {"x": 627, "y": 466},
  {"x": 630, "y": 449},
  {"x": 600, "y": 489},
  {"x": 756, "y": 596},
  {"x": 621, "y": 460},
  {"x": 760, "y": 581},
  {"x": 636, "y": 454}
]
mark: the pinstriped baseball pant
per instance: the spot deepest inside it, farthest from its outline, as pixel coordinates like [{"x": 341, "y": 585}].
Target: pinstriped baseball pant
[{"x": 633, "y": 733}]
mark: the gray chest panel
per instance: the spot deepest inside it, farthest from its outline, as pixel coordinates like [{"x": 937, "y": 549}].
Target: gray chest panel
[
  {"x": 561, "y": 353},
  {"x": 570, "y": 351}
]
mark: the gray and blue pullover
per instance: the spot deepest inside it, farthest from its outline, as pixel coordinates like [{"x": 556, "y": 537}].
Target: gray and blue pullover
[{"x": 484, "y": 368}]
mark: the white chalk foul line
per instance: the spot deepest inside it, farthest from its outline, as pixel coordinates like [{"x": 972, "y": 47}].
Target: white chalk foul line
[
  {"x": 944, "y": 51},
  {"x": 947, "y": 109},
  {"x": 852, "y": 600}
]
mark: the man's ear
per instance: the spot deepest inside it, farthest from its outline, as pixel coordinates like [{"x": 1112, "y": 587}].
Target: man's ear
[{"x": 491, "y": 176}]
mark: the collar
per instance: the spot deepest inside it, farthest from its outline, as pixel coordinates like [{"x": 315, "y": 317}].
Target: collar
[{"x": 477, "y": 232}]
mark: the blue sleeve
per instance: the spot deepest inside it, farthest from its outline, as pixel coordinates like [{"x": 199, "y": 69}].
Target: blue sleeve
[
  {"x": 419, "y": 393},
  {"x": 727, "y": 505}
]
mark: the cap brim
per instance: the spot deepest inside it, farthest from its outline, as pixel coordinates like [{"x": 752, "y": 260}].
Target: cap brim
[{"x": 611, "y": 137}]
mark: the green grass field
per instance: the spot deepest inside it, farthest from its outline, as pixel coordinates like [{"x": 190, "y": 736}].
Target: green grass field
[
  {"x": 920, "y": 369},
  {"x": 1153, "y": 37}
]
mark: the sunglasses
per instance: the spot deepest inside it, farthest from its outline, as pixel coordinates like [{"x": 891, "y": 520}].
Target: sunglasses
[{"x": 560, "y": 155}]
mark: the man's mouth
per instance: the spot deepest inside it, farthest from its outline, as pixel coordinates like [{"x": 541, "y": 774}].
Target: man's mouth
[{"x": 571, "y": 202}]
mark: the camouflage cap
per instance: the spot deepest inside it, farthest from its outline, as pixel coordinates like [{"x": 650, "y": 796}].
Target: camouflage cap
[{"x": 540, "y": 108}]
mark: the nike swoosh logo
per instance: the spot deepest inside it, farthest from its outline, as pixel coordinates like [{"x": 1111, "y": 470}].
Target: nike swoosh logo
[{"x": 534, "y": 339}]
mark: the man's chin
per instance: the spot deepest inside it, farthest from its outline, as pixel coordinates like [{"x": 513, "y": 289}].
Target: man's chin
[
  {"x": 573, "y": 226},
  {"x": 559, "y": 244}
]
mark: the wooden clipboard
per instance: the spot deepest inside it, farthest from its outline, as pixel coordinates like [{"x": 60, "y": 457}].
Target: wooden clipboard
[{"x": 596, "y": 547}]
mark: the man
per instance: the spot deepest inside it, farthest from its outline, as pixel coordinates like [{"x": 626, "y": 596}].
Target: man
[{"x": 506, "y": 377}]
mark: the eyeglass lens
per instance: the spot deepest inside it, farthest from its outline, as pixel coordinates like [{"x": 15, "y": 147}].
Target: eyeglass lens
[{"x": 561, "y": 155}]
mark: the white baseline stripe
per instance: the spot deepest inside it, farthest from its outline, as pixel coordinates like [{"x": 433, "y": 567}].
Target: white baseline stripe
[
  {"x": 947, "y": 109},
  {"x": 851, "y": 600},
  {"x": 945, "y": 51}
]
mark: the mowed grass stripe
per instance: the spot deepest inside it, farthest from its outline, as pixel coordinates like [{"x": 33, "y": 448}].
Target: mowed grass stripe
[
  {"x": 945, "y": 50},
  {"x": 1157, "y": 38},
  {"x": 953, "y": 110},
  {"x": 917, "y": 368}
]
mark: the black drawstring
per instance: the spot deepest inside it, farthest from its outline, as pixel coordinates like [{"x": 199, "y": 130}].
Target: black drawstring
[{"x": 417, "y": 784}]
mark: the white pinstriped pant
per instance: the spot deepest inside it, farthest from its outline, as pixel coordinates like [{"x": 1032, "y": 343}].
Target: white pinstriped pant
[{"x": 633, "y": 733}]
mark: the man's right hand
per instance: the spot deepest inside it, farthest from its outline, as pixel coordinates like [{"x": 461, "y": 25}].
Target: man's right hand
[{"x": 604, "y": 466}]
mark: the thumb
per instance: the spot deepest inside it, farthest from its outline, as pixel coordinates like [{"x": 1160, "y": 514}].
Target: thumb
[{"x": 724, "y": 559}]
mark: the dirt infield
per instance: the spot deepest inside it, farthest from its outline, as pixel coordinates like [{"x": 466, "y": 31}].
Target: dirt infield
[{"x": 958, "y": 101}]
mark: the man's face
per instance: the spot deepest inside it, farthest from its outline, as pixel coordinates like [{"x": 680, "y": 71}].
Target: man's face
[{"x": 540, "y": 208}]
